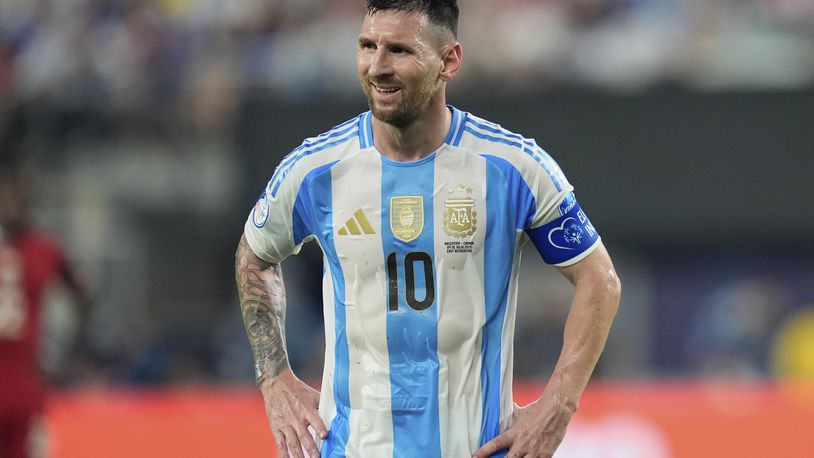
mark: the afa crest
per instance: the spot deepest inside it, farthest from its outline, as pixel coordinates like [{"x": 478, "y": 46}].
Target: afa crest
[
  {"x": 407, "y": 217},
  {"x": 460, "y": 216}
]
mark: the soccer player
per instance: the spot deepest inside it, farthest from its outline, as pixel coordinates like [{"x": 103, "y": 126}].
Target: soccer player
[
  {"x": 30, "y": 262},
  {"x": 421, "y": 210}
]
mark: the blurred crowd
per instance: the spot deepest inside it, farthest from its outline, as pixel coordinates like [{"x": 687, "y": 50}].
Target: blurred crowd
[
  {"x": 129, "y": 117},
  {"x": 128, "y": 54}
]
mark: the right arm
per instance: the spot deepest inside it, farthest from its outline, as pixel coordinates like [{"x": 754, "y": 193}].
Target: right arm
[{"x": 291, "y": 405}]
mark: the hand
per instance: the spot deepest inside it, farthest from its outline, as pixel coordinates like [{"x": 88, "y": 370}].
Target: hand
[
  {"x": 291, "y": 407},
  {"x": 536, "y": 431}
]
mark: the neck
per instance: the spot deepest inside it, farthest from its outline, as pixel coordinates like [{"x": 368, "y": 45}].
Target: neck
[{"x": 416, "y": 140}]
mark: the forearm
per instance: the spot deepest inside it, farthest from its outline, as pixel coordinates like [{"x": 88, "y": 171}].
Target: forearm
[
  {"x": 596, "y": 299},
  {"x": 262, "y": 302}
]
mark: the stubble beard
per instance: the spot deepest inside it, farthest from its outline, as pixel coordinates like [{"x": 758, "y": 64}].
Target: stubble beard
[{"x": 408, "y": 109}]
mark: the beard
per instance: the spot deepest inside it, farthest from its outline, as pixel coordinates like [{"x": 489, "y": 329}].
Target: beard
[{"x": 411, "y": 106}]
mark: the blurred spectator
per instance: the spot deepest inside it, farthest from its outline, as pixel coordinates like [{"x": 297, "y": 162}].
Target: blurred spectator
[
  {"x": 793, "y": 347},
  {"x": 732, "y": 332},
  {"x": 30, "y": 264},
  {"x": 130, "y": 53}
]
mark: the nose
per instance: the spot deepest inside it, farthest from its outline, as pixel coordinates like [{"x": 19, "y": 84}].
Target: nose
[{"x": 380, "y": 64}]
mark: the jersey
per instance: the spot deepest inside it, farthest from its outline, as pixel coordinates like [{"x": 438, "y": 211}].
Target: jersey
[
  {"x": 29, "y": 263},
  {"x": 420, "y": 285}
]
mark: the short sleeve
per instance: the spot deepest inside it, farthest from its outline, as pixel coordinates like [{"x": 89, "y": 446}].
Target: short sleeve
[
  {"x": 274, "y": 228},
  {"x": 559, "y": 227}
]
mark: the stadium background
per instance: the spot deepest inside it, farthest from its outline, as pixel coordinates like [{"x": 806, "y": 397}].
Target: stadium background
[{"x": 150, "y": 126}]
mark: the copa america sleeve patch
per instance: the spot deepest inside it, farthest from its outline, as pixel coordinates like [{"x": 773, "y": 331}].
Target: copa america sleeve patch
[
  {"x": 565, "y": 238},
  {"x": 261, "y": 211}
]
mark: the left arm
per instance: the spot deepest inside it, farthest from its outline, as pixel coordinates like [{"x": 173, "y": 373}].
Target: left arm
[{"x": 538, "y": 428}]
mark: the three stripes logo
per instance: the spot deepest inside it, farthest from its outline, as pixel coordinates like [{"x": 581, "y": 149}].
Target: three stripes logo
[{"x": 357, "y": 225}]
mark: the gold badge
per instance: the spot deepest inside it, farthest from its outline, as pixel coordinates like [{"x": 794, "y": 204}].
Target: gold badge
[
  {"x": 406, "y": 217},
  {"x": 460, "y": 216}
]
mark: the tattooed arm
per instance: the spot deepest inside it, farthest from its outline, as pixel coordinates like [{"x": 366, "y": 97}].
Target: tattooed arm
[{"x": 291, "y": 405}]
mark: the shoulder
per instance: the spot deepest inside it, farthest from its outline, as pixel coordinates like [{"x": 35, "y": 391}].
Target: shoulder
[
  {"x": 508, "y": 150},
  {"x": 493, "y": 141},
  {"x": 476, "y": 132},
  {"x": 318, "y": 153}
]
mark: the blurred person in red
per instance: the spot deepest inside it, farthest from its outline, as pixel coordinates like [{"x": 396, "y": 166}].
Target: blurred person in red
[{"x": 30, "y": 263}]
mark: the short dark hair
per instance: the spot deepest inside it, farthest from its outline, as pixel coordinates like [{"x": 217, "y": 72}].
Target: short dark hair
[{"x": 442, "y": 13}]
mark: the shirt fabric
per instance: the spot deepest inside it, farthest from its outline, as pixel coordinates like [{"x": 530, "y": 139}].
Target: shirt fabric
[{"x": 420, "y": 286}]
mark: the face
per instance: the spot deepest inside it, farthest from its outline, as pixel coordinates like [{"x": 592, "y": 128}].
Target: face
[{"x": 399, "y": 63}]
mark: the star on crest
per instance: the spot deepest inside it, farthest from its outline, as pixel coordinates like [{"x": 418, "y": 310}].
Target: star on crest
[{"x": 460, "y": 189}]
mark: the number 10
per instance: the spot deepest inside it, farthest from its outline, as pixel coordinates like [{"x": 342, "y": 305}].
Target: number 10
[{"x": 409, "y": 280}]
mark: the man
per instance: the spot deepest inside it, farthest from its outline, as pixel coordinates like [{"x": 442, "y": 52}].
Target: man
[
  {"x": 30, "y": 262},
  {"x": 420, "y": 210}
]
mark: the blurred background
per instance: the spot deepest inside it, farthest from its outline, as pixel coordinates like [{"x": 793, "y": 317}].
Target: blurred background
[{"x": 148, "y": 128}]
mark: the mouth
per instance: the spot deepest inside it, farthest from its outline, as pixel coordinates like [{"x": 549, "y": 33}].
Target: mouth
[{"x": 385, "y": 91}]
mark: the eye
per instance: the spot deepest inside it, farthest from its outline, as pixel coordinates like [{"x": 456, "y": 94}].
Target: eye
[
  {"x": 365, "y": 44},
  {"x": 397, "y": 50}
]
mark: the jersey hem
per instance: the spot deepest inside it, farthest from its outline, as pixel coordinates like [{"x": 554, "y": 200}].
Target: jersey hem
[{"x": 253, "y": 243}]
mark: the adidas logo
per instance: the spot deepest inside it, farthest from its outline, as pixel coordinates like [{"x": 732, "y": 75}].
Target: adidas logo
[{"x": 357, "y": 225}]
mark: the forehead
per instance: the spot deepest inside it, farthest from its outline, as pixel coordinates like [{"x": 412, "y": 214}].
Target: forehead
[{"x": 394, "y": 25}]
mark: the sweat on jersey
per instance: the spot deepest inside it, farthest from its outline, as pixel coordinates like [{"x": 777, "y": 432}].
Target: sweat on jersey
[{"x": 421, "y": 264}]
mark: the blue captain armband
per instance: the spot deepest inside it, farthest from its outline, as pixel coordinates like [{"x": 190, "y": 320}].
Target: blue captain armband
[{"x": 568, "y": 237}]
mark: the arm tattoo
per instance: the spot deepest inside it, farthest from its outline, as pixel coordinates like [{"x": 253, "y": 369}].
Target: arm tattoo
[{"x": 262, "y": 301}]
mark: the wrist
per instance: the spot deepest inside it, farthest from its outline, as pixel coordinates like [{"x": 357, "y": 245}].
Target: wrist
[{"x": 266, "y": 373}]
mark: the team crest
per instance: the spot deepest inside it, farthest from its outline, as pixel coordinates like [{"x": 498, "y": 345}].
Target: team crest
[
  {"x": 407, "y": 217},
  {"x": 460, "y": 216}
]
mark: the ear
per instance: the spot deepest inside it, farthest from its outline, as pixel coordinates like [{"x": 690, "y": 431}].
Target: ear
[{"x": 451, "y": 57}]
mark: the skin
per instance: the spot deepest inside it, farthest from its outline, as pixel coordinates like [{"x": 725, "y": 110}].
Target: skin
[
  {"x": 538, "y": 428},
  {"x": 291, "y": 405},
  {"x": 403, "y": 51},
  {"x": 404, "y": 64}
]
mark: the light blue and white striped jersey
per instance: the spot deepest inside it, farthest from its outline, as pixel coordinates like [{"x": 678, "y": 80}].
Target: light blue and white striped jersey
[{"x": 420, "y": 286}]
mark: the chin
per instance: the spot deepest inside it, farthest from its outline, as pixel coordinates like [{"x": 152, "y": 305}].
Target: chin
[{"x": 392, "y": 117}]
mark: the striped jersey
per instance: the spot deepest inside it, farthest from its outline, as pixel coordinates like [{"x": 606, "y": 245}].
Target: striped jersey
[{"x": 421, "y": 264}]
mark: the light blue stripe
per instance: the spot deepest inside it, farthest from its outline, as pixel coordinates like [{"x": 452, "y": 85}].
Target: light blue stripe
[
  {"x": 494, "y": 128},
  {"x": 461, "y": 130},
  {"x": 300, "y": 151},
  {"x": 454, "y": 125},
  {"x": 295, "y": 155},
  {"x": 528, "y": 146},
  {"x": 282, "y": 175},
  {"x": 492, "y": 138},
  {"x": 363, "y": 131},
  {"x": 318, "y": 195},
  {"x": 498, "y": 252},
  {"x": 412, "y": 335},
  {"x": 520, "y": 195},
  {"x": 369, "y": 129},
  {"x": 320, "y": 139},
  {"x": 555, "y": 168}
]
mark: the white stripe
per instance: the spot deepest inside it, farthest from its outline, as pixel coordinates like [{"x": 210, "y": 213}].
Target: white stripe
[
  {"x": 308, "y": 141},
  {"x": 503, "y": 134},
  {"x": 507, "y": 340},
  {"x": 461, "y": 309},
  {"x": 362, "y": 260},
  {"x": 275, "y": 241},
  {"x": 283, "y": 170},
  {"x": 327, "y": 405}
]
